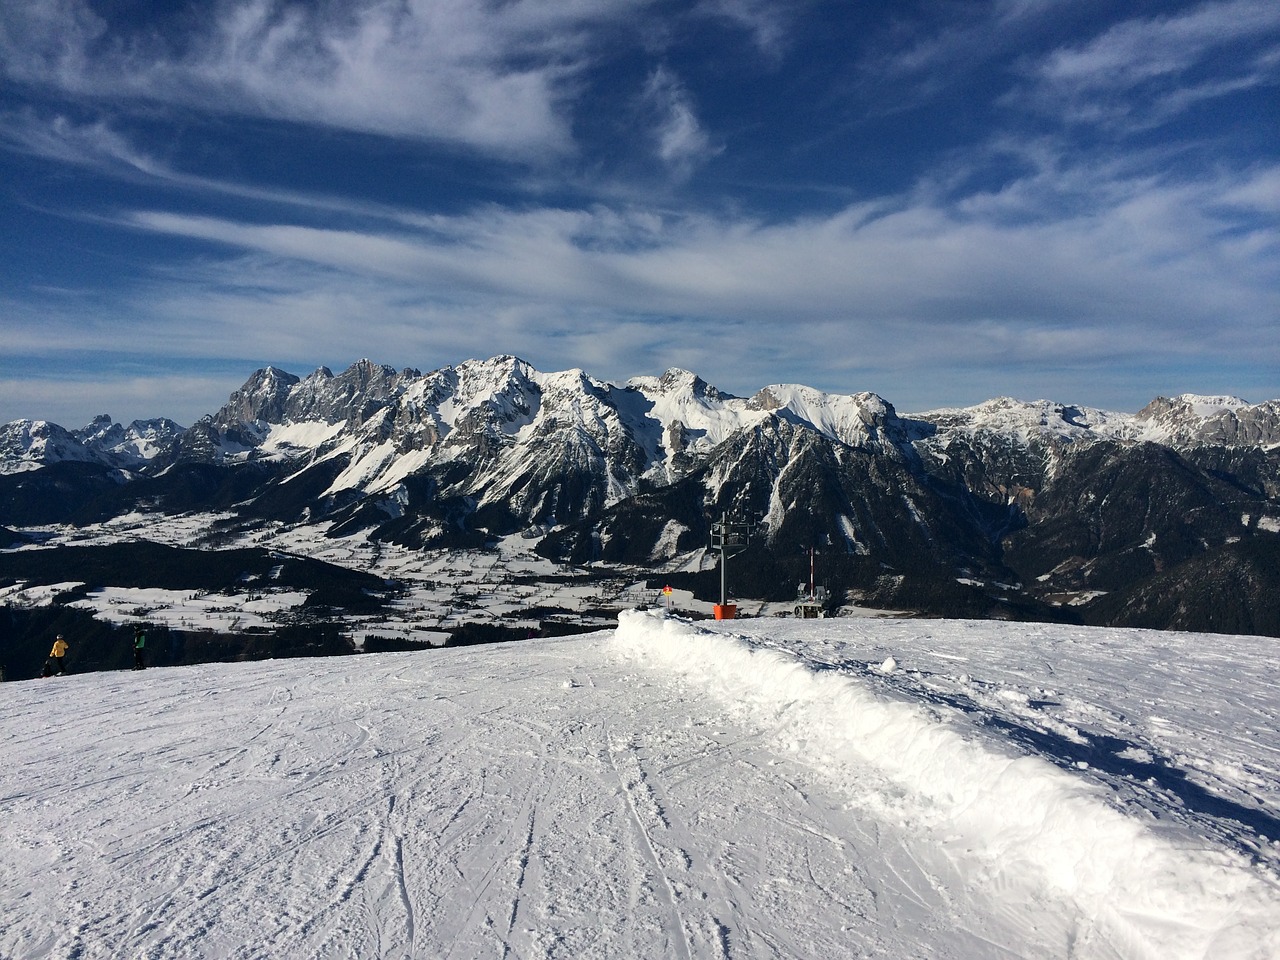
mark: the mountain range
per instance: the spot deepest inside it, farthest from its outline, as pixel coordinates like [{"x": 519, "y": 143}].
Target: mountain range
[{"x": 1166, "y": 518}]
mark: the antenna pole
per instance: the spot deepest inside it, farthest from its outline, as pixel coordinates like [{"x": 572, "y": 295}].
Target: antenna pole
[
  {"x": 730, "y": 539},
  {"x": 724, "y": 526}
]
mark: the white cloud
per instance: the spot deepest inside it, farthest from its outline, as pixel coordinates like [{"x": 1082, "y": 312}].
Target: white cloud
[
  {"x": 1149, "y": 244},
  {"x": 765, "y": 20},
  {"x": 1141, "y": 273},
  {"x": 1014, "y": 254},
  {"x": 1134, "y": 74},
  {"x": 1144, "y": 287},
  {"x": 1258, "y": 191},
  {"x": 93, "y": 144},
  {"x": 1137, "y": 50},
  {"x": 1142, "y": 71},
  {"x": 497, "y": 77},
  {"x": 72, "y": 399},
  {"x": 932, "y": 55},
  {"x": 681, "y": 142}
]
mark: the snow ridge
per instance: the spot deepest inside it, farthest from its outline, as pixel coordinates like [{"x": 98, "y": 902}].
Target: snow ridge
[
  {"x": 1140, "y": 891},
  {"x": 30, "y": 444},
  {"x": 1183, "y": 422}
]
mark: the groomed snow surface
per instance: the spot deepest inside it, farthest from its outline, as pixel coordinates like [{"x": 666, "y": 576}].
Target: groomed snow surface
[{"x": 760, "y": 788}]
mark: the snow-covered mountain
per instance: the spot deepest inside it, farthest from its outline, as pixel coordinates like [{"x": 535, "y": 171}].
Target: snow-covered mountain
[
  {"x": 503, "y": 417},
  {"x": 31, "y": 444},
  {"x": 1035, "y": 505}
]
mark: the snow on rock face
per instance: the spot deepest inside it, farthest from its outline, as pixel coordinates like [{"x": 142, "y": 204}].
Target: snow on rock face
[
  {"x": 143, "y": 440},
  {"x": 1027, "y": 422},
  {"x": 859, "y": 420},
  {"x": 262, "y": 398},
  {"x": 27, "y": 444},
  {"x": 1190, "y": 405},
  {"x": 668, "y": 541},
  {"x": 1186, "y": 420},
  {"x": 1190, "y": 420},
  {"x": 30, "y": 442},
  {"x": 493, "y": 397},
  {"x": 686, "y": 415},
  {"x": 528, "y": 448},
  {"x": 696, "y": 418},
  {"x": 1150, "y": 893}
]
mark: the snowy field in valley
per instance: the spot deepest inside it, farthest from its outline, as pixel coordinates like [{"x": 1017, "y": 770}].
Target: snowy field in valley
[
  {"x": 442, "y": 589},
  {"x": 760, "y": 788},
  {"x": 508, "y": 584}
]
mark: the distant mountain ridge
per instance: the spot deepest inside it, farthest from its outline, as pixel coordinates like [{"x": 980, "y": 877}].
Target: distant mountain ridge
[
  {"x": 1042, "y": 508},
  {"x": 29, "y": 444}
]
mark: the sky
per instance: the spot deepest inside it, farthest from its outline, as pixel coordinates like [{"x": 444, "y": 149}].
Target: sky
[{"x": 940, "y": 202}]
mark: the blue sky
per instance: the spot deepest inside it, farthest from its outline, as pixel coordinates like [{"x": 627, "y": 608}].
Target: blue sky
[{"x": 940, "y": 202}]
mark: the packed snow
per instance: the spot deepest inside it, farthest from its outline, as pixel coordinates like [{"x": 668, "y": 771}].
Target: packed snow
[{"x": 754, "y": 788}]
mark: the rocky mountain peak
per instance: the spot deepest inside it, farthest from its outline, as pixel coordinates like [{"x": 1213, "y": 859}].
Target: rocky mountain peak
[
  {"x": 23, "y": 442},
  {"x": 102, "y": 431},
  {"x": 1191, "y": 420},
  {"x": 677, "y": 380},
  {"x": 1188, "y": 407},
  {"x": 262, "y": 398},
  {"x": 1029, "y": 423},
  {"x": 853, "y": 419},
  {"x": 677, "y": 384}
]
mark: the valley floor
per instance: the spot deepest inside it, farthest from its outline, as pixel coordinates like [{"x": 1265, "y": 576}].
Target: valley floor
[{"x": 761, "y": 789}]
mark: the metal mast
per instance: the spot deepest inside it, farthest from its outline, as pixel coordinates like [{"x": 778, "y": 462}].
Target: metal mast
[{"x": 730, "y": 538}]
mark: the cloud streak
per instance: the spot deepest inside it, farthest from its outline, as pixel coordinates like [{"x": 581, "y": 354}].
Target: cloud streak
[
  {"x": 1140, "y": 253},
  {"x": 1144, "y": 71},
  {"x": 905, "y": 283},
  {"x": 682, "y": 143},
  {"x": 494, "y": 77}
]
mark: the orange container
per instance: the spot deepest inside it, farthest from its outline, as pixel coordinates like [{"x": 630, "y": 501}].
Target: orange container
[{"x": 726, "y": 611}]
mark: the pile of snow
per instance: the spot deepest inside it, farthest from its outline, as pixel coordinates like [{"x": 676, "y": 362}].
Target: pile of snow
[{"x": 1146, "y": 889}]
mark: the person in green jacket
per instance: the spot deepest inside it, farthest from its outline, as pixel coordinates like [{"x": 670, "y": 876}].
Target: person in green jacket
[{"x": 139, "y": 646}]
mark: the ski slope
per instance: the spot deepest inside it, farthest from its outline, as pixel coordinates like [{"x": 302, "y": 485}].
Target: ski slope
[{"x": 762, "y": 788}]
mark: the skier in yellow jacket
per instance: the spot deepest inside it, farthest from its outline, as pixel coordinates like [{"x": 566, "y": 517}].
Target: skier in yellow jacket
[{"x": 57, "y": 656}]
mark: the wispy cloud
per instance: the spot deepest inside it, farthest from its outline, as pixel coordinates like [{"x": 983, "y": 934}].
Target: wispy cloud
[
  {"x": 917, "y": 56},
  {"x": 104, "y": 148},
  {"x": 497, "y": 77},
  {"x": 1143, "y": 269},
  {"x": 910, "y": 256},
  {"x": 855, "y": 300},
  {"x": 95, "y": 144},
  {"x": 766, "y": 21},
  {"x": 1136, "y": 51},
  {"x": 682, "y": 144},
  {"x": 1142, "y": 71},
  {"x": 1135, "y": 73}
]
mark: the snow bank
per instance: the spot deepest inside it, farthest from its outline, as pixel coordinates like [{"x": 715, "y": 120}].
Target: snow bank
[{"x": 1141, "y": 888}]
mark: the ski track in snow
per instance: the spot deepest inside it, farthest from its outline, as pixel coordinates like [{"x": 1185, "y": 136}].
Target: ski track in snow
[{"x": 644, "y": 794}]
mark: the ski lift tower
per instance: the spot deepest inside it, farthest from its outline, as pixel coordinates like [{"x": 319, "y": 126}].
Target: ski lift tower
[
  {"x": 811, "y": 602},
  {"x": 730, "y": 538}
]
